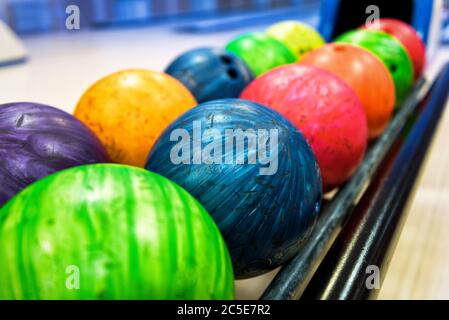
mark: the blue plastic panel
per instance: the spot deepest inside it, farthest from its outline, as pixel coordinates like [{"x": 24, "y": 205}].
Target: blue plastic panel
[
  {"x": 31, "y": 15},
  {"x": 421, "y": 18}
]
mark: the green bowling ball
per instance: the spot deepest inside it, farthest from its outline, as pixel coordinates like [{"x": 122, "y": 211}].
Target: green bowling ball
[
  {"x": 260, "y": 52},
  {"x": 110, "y": 232},
  {"x": 391, "y": 52}
]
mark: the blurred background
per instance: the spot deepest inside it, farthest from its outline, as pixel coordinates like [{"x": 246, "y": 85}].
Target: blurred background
[{"x": 31, "y": 16}]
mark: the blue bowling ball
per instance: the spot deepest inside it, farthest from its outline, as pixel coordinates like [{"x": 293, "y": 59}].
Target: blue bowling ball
[
  {"x": 254, "y": 173},
  {"x": 211, "y": 73}
]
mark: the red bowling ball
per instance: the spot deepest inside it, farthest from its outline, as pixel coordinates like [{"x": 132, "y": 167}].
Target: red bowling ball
[
  {"x": 409, "y": 38},
  {"x": 325, "y": 109}
]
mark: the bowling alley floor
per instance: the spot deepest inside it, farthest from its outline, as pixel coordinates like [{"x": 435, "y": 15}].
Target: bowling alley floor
[
  {"x": 419, "y": 268},
  {"x": 62, "y": 66}
]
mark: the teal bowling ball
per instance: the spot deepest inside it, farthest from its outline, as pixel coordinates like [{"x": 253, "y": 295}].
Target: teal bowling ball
[{"x": 254, "y": 173}]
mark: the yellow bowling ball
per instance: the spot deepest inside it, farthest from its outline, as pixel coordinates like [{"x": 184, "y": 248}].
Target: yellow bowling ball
[
  {"x": 298, "y": 37},
  {"x": 128, "y": 110}
]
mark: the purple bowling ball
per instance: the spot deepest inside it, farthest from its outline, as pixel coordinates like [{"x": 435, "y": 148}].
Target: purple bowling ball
[{"x": 37, "y": 140}]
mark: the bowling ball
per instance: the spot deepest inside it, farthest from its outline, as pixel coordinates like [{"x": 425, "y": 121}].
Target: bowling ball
[
  {"x": 253, "y": 172},
  {"x": 260, "y": 52},
  {"x": 409, "y": 38},
  {"x": 298, "y": 37},
  {"x": 37, "y": 140},
  {"x": 211, "y": 73},
  {"x": 129, "y": 109},
  {"x": 391, "y": 52},
  {"x": 365, "y": 74},
  {"x": 324, "y": 108},
  {"x": 110, "y": 232}
]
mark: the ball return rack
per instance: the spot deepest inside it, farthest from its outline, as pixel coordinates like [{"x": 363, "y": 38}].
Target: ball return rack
[{"x": 360, "y": 226}]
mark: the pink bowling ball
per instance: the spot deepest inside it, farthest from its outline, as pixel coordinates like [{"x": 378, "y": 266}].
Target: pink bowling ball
[{"x": 324, "y": 109}]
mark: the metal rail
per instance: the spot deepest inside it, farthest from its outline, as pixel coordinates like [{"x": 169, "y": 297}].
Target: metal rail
[
  {"x": 293, "y": 278},
  {"x": 370, "y": 237}
]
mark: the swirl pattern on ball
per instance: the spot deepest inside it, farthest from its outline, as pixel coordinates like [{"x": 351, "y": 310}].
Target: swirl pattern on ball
[
  {"x": 264, "y": 218},
  {"x": 37, "y": 140},
  {"x": 125, "y": 232}
]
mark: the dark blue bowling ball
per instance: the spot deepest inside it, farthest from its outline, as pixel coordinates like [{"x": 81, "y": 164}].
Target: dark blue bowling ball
[
  {"x": 254, "y": 173},
  {"x": 211, "y": 73}
]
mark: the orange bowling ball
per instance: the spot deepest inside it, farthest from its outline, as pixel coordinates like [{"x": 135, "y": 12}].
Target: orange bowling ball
[
  {"x": 128, "y": 110},
  {"x": 365, "y": 74}
]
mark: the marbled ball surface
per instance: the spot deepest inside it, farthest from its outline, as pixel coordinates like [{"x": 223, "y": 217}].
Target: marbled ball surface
[
  {"x": 37, "y": 140},
  {"x": 263, "y": 216}
]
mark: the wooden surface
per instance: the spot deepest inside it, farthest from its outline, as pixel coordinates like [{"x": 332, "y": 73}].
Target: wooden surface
[
  {"x": 420, "y": 265},
  {"x": 63, "y": 66}
]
